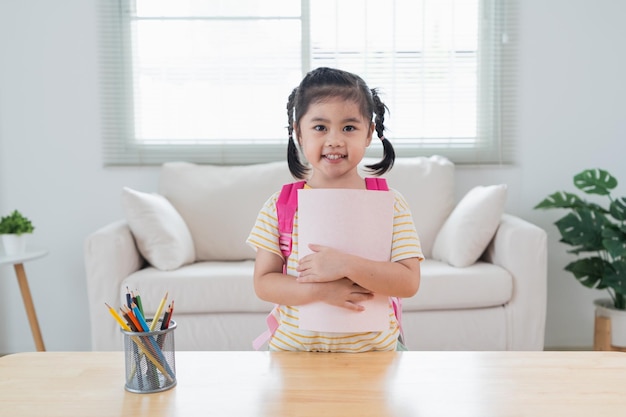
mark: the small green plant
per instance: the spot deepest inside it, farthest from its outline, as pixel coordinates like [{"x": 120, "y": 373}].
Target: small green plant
[
  {"x": 595, "y": 231},
  {"x": 16, "y": 224}
]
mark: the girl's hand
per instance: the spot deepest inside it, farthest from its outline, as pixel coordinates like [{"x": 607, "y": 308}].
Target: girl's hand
[
  {"x": 323, "y": 265},
  {"x": 344, "y": 293}
]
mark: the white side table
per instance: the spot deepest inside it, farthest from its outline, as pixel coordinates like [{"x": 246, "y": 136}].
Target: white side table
[{"x": 18, "y": 264}]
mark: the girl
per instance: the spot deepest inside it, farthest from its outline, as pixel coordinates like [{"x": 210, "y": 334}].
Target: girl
[{"x": 331, "y": 114}]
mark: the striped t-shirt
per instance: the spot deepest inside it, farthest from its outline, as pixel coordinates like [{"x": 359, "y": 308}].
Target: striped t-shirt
[{"x": 288, "y": 336}]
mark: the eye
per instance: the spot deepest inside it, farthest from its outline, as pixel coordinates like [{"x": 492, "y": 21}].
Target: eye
[
  {"x": 319, "y": 128},
  {"x": 349, "y": 129}
]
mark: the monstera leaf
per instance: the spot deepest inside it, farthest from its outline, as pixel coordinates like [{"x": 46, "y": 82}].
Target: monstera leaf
[
  {"x": 590, "y": 271},
  {"x": 563, "y": 199},
  {"x": 595, "y": 181},
  {"x": 618, "y": 209},
  {"x": 582, "y": 229},
  {"x": 560, "y": 199},
  {"x": 614, "y": 241}
]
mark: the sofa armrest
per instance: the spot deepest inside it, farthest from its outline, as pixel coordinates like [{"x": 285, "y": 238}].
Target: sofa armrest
[
  {"x": 110, "y": 256},
  {"x": 521, "y": 248}
]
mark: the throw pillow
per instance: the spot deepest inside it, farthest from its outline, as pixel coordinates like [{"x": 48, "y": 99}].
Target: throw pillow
[
  {"x": 416, "y": 177},
  {"x": 470, "y": 227},
  {"x": 162, "y": 235},
  {"x": 220, "y": 203}
]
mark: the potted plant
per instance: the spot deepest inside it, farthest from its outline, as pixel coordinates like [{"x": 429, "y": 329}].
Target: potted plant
[
  {"x": 13, "y": 229},
  {"x": 597, "y": 234}
]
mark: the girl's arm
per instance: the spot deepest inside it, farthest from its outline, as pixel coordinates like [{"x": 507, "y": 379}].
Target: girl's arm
[
  {"x": 398, "y": 279},
  {"x": 270, "y": 284}
]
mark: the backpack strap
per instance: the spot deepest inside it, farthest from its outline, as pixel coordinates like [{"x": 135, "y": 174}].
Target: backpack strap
[
  {"x": 272, "y": 325},
  {"x": 396, "y": 302},
  {"x": 286, "y": 207},
  {"x": 375, "y": 183}
]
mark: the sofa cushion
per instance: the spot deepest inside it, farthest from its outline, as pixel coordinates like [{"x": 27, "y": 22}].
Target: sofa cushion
[
  {"x": 227, "y": 287},
  {"x": 161, "y": 234},
  {"x": 471, "y": 226},
  {"x": 444, "y": 287},
  {"x": 427, "y": 184},
  {"x": 221, "y": 203},
  {"x": 203, "y": 287}
]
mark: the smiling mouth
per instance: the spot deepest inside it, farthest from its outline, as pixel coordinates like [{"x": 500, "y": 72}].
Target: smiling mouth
[{"x": 334, "y": 157}]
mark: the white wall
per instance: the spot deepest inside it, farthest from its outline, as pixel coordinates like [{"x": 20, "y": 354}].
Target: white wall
[{"x": 571, "y": 116}]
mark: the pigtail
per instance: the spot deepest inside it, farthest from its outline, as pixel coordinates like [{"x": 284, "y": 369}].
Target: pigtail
[
  {"x": 297, "y": 168},
  {"x": 389, "y": 155}
]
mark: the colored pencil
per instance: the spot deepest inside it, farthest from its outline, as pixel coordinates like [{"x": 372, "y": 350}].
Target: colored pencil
[
  {"x": 169, "y": 318},
  {"x": 155, "y": 320},
  {"x": 166, "y": 318},
  {"x": 131, "y": 324},
  {"x": 142, "y": 322},
  {"x": 117, "y": 318},
  {"x": 131, "y": 315},
  {"x": 138, "y": 302}
]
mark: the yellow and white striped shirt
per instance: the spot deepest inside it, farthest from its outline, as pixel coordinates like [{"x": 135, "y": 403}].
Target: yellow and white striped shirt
[{"x": 288, "y": 336}]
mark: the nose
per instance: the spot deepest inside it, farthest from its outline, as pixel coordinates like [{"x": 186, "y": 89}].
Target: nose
[{"x": 334, "y": 138}]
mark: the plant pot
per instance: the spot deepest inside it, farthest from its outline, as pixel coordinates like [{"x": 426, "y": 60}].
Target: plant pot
[
  {"x": 604, "y": 308},
  {"x": 14, "y": 244}
]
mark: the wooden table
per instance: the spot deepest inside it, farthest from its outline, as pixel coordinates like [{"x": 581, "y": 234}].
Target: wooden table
[
  {"x": 424, "y": 384},
  {"x": 18, "y": 264}
]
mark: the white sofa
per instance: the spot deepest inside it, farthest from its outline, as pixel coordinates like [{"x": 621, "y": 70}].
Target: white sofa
[{"x": 498, "y": 302}]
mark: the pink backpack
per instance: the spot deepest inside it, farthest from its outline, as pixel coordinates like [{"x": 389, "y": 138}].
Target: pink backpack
[{"x": 286, "y": 207}]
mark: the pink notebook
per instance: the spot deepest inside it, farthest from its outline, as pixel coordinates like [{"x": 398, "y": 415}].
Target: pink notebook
[{"x": 358, "y": 222}]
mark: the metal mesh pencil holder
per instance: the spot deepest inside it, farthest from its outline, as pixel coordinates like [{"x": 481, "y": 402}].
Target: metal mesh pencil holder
[{"x": 149, "y": 358}]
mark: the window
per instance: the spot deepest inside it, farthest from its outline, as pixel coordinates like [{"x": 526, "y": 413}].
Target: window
[{"x": 207, "y": 80}]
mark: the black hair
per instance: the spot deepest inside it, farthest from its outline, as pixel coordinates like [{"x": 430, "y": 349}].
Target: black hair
[{"x": 322, "y": 83}]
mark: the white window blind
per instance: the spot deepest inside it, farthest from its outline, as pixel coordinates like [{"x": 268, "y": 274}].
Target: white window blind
[{"x": 207, "y": 81}]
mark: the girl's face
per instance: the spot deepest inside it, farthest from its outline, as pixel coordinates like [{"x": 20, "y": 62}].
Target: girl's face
[{"x": 334, "y": 135}]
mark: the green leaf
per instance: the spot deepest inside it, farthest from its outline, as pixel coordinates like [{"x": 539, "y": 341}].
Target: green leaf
[
  {"x": 595, "y": 181},
  {"x": 560, "y": 199},
  {"x": 590, "y": 271},
  {"x": 618, "y": 209},
  {"x": 614, "y": 240},
  {"x": 615, "y": 277},
  {"x": 582, "y": 229}
]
